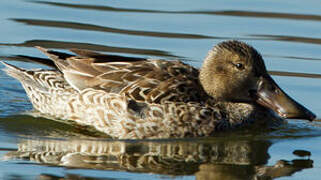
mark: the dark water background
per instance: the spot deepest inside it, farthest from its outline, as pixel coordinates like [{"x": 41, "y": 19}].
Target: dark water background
[{"x": 287, "y": 33}]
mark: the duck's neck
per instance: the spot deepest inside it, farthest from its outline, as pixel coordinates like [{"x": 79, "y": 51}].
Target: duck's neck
[
  {"x": 207, "y": 77},
  {"x": 237, "y": 112},
  {"x": 213, "y": 78},
  {"x": 247, "y": 113}
]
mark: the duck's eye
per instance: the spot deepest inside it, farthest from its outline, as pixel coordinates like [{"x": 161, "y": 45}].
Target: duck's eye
[{"x": 239, "y": 66}]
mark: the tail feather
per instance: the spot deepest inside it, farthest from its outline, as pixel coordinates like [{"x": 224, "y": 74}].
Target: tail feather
[
  {"x": 15, "y": 71},
  {"x": 26, "y": 77},
  {"x": 58, "y": 58},
  {"x": 77, "y": 71}
]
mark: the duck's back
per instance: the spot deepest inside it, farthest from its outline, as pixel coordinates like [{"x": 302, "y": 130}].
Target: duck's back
[{"x": 142, "y": 80}]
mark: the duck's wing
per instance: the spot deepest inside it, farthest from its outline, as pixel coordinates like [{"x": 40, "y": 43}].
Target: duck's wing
[
  {"x": 104, "y": 57},
  {"x": 140, "y": 79}
]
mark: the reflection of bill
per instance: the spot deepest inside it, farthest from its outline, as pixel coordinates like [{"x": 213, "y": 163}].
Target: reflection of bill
[
  {"x": 229, "y": 172},
  {"x": 211, "y": 159}
]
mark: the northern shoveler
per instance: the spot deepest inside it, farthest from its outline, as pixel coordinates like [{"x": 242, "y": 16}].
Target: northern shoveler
[{"x": 150, "y": 98}]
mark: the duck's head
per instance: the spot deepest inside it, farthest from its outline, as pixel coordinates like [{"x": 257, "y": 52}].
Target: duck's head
[{"x": 233, "y": 71}]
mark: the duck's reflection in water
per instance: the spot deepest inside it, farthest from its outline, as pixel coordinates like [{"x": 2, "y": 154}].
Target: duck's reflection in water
[{"x": 206, "y": 159}]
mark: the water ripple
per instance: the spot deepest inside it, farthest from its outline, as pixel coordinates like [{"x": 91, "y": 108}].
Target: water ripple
[
  {"x": 89, "y": 46},
  {"x": 238, "y": 13},
  {"x": 91, "y": 27},
  {"x": 288, "y": 38}
]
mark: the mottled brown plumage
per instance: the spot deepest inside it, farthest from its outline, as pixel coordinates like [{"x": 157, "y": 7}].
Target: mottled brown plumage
[
  {"x": 151, "y": 81},
  {"x": 150, "y": 98}
]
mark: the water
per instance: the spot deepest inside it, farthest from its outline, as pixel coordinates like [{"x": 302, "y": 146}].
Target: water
[{"x": 287, "y": 34}]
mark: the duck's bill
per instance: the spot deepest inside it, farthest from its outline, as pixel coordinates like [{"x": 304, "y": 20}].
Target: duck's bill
[{"x": 270, "y": 95}]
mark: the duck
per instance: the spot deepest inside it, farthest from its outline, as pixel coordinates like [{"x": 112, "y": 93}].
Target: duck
[{"x": 138, "y": 98}]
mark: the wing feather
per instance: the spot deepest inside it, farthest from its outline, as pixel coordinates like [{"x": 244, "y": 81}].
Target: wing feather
[{"x": 143, "y": 80}]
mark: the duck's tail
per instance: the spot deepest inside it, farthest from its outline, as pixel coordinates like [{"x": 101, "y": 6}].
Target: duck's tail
[
  {"x": 24, "y": 76},
  {"x": 16, "y": 72},
  {"x": 42, "y": 80}
]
